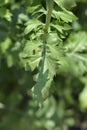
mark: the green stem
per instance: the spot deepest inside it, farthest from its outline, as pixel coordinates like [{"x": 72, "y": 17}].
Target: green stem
[
  {"x": 49, "y": 4},
  {"x": 43, "y": 55}
]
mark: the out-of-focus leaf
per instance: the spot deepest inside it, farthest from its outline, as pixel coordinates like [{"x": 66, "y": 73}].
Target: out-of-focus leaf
[
  {"x": 65, "y": 4},
  {"x": 82, "y": 98},
  {"x": 5, "y": 45},
  {"x": 75, "y": 46}
]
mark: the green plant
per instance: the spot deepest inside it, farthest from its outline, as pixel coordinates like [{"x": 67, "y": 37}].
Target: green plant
[
  {"x": 45, "y": 49},
  {"x": 43, "y": 59}
]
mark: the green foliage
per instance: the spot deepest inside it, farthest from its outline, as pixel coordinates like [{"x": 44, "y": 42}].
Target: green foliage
[
  {"x": 35, "y": 30},
  {"x": 43, "y": 64},
  {"x": 75, "y": 48}
]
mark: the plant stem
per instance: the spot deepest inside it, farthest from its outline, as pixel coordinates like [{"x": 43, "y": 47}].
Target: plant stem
[{"x": 49, "y": 5}]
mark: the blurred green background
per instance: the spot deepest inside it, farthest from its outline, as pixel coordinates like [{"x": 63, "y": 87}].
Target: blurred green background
[{"x": 66, "y": 108}]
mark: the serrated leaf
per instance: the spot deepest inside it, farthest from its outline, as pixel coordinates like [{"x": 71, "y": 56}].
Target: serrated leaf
[
  {"x": 31, "y": 25},
  {"x": 66, "y": 16},
  {"x": 31, "y": 54},
  {"x": 32, "y": 46},
  {"x": 34, "y": 62},
  {"x": 57, "y": 27},
  {"x": 50, "y": 64},
  {"x": 54, "y": 52}
]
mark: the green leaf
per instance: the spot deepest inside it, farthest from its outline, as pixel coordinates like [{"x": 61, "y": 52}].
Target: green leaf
[
  {"x": 5, "y": 45},
  {"x": 53, "y": 38},
  {"x": 64, "y": 15},
  {"x": 61, "y": 27},
  {"x": 50, "y": 64},
  {"x": 31, "y": 54},
  {"x": 32, "y": 46},
  {"x": 75, "y": 58},
  {"x": 65, "y": 4},
  {"x": 46, "y": 89},
  {"x": 55, "y": 52},
  {"x": 42, "y": 79},
  {"x": 34, "y": 61},
  {"x": 32, "y": 25},
  {"x": 32, "y": 9},
  {"x": 83, "y": 98},
  {"x": 77, "y": 42}
]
